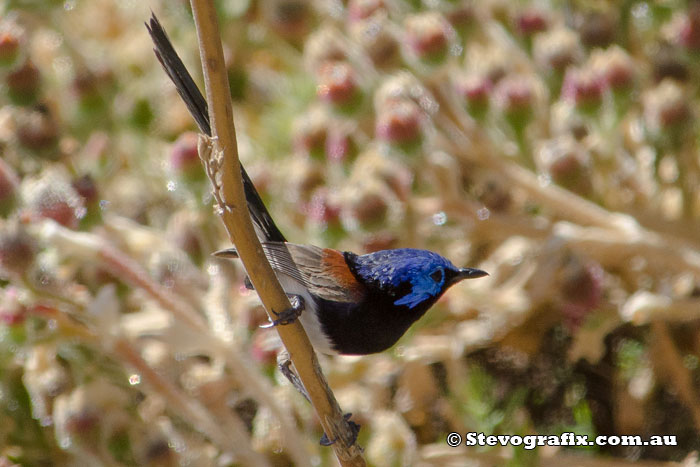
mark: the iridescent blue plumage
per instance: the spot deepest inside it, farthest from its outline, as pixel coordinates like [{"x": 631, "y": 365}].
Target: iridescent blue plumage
[{"x": 421, "y": 272}]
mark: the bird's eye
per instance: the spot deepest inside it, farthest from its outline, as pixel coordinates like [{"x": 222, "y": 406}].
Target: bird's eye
[{"x": 437, "y": 275}]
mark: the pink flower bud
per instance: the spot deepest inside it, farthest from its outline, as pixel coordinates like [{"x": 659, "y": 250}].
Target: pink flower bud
[
  {"x": 399, "y": 123},
  {"x": 322, "y": 209},
  {"x": 461, "y": 17},
  {"x": 427, "y": 35},
  {"x": 495, "y": 195},
  {"x": 666, "y": 107},
  {"x": 289, "y": 18},
  {"x": 584, "y": 88},
  {"x": 556, "y": 49},
  {"x": 306, "y": 176},
  {"x": 363, "y": 9},
  {"x": 668, "y": 63},
  {"x": 370, "y": 209},
  {"x": 158, "y": 452},
  {"x": 476, "y": 92},
  {"x": 530, "y": 22},
  {"x": 310, "y": 132},
  {"x": 12, "y": 313},
  {"x": 184, "y": 157},
  {"x": 341, "y": 146},
  {"x": 376, "y": 37},
  {"x": 264, "y": 346},
  {"x": 52, "y": 198},
  {"x": 86, "y": 187},
  {"x": 9, "y": 47},
  {"x": 514, "y": 95},
  {"x": 323, "y": 46},
  {"x": 89, "y": 88},
  {"x": 567, "y": 164},
  {"x": 337, "y": 84},
  {"x": 17, "y": 249},
  {"x": 598, "y": 29},
  {"x": 689, "y": 35},
  {"x": 571, "y": 172},
  {"x": 37, "y": 130},
  {"x": 615, "y": 68},
  {"x": 23, "y": 83},
  {"x": 581, "y": 290}
]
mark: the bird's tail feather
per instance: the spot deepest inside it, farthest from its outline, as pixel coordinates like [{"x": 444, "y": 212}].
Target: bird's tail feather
[{"x": 197, "y": 105}]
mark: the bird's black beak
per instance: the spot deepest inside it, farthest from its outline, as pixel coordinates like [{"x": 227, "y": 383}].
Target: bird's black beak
[
  {"x": 471, "y": 273},
  {"x": 454, "y": 276}
]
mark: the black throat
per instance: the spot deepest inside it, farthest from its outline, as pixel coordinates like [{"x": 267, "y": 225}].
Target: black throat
[{"x": 372, "y": 325}]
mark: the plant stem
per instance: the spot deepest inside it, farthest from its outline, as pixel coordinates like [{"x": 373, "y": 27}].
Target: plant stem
[{"x": 228, "y": 190}]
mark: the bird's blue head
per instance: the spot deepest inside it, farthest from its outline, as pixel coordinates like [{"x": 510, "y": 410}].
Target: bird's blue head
[{"x": 413, "y": 277}]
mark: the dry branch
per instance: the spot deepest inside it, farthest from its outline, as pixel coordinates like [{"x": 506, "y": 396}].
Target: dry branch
[{"x": 228, "y": 191}]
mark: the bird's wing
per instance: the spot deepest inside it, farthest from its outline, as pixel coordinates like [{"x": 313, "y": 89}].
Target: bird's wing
[
  {"x": 323, "y": 271},
  {"x": 326, "y": 273}
]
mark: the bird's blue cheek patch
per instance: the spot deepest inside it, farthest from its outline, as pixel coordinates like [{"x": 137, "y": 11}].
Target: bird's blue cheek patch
[
  {"x": 424, "y": 288},
  {"x": 411, "y": 300}
]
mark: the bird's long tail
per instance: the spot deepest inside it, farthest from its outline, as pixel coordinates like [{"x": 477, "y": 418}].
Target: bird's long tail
[{"x": 197, "y": 105}]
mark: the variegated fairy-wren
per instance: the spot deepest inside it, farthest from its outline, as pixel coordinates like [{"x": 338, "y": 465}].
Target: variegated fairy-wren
[{"x": 348, "y": 304}]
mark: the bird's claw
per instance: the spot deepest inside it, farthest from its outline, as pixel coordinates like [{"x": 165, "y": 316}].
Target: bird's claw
[
  {"x": 285, "y": 364},
  {"x": 289, "y": 315},
  {"x": 354, "y": 427}
]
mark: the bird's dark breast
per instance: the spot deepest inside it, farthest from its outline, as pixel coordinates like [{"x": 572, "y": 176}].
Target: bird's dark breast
[{"x": 371, "y": 326}]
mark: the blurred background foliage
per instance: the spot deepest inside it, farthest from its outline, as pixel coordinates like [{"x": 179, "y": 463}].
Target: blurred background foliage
[{"x": 552, "y": 143}]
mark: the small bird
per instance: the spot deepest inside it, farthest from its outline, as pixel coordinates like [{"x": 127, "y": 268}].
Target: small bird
[{"x": 348, "y": 304}]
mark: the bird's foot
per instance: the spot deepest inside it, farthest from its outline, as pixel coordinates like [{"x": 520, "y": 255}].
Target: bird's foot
[
  {"x": 289, "y": 315},
  {"x": 285, "y": 366},
  {"x": 354, "y": 427}
]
